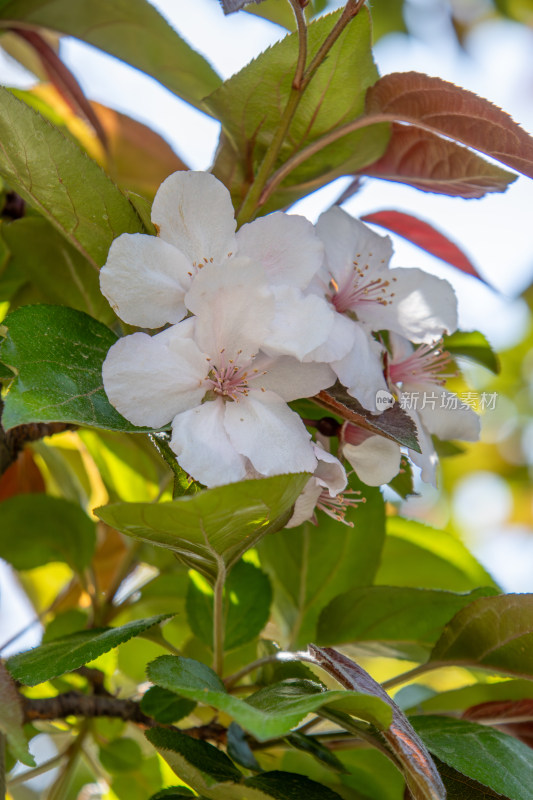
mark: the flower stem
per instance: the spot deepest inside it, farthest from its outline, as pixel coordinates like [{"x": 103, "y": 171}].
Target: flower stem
[
  {"x": 281, "y": 655},
  {"x": 218, "y": 619},
  {"x": 301, "y": 80},
  {"x": 406, "y": 677}
]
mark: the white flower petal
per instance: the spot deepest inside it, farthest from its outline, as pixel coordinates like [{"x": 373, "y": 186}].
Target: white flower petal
[
  {"x": 329, "y": 472},
  {"x": 301, "y": 323},
  {"x": 194, "y": 212},
  {"x": 361, "y": 371},
  {"x": 262, "y": 427},
  {"x": 150, "y": 379},
  {"x": 145, "y": 280},
  {"x": 234, "y": 308},
  {"x": 203, "y": 447},
  {"x": 341, "y": 340},
  {"x": 347, "y": 240},
  {"x": 376, "y": 460},
  {"x": 422, "y": 309},
  {"x": 286, "y": 246},
  {"x": 427, "y": 460},
  {"x": 442, "y": 413},
  {"x": 292, "y": 379},
  {"x": 304, "y": 508}
]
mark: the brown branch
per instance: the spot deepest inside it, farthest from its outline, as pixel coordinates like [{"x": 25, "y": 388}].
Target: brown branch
[
  {"x": 74, "y": 704},
  {"x": 13, "y": 440}
]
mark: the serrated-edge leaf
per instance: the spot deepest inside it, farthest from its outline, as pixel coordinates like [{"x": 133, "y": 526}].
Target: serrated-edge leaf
[
  {"x": 271, "y": 712},
  {"x": 70, "y": 652},
  {"x": 44, "y": 167}
]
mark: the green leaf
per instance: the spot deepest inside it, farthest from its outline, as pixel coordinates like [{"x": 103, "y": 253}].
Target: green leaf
[
  {"x": 308, "y": 744},
  {"x": 70, "y": 652},
  {"x": 461, "y": 699},
  {"x": 474, "y": 346},
  {"x": 418, "y": 555},
  {"x": 248, "y": 595},
  {"x": 239, "y": 750},
  {"x": 55, "y": 176},
  {"x": 211, "y": 773},
  {"x": 58, "y": 272},
  {"x": 480, "y": 752},
  {"x": 459, "y": 787},
  {"x": 398, "y": 622},
  {"x": 403, "y": 482},
  {"x": 51, "y": 529},
  {"x": 310, "y": 565},
  {"x": 251, "y": 103},
  {"x": 164, "y": 706},
  {"x": 272, "y": 711},
  {"x": 131, "y": 30},
  {"x": 220, "y": 523},
  {"x": 495, "y": 633},
  {"x": 422, "y": 778},
  {"x": 12, "y": 719},
  {"x": 121, "y": 755},
  {"x": 57, "y": 353},
  {"x": 172, "y": 793}
]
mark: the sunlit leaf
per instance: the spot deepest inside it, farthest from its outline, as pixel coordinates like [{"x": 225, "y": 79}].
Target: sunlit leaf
[
  {"x": 272, "y": 711},
  {"x": 220, "y": 523},
  {"x": 427, "y": 162},
  {"x": 64, "y": 655},
  {"x": 421, "y": 774},
  {"x": 478, "y": 751},
  {"x": 54, "y": 175},
  {"x": 474, "y": 346},
  {"x": 419, "y": 555},
  {"x": 492, "y": 632},
  {"x": 442, "y": 108},
  {"x": 310, "y": 565},
  {"x": 251, "y": 103},
  {"x": 398, "y": 621},
  {"x": 57, "y": 353},
  {"x": 133, "y": 31}
]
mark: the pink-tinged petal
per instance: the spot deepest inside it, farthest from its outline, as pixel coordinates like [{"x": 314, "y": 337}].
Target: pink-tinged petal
[
  {"x": 151, "y": 379},
  {"x": 145, "y": 280},
  {"x": 375, "y": 461},
  {"x": 329, "y": 472},
  {"x": 264, "y": 429},
  {"x": 234, "y": 308},
  {"x": 340, "y": 341},
  {"x": 203, "y": 447},
  {"x": 347, "y": 240},
  {"x": 291, "y": 379},
  {"x": 400, "y": 347},
  {"x": 285, "y": 245},
  {"x": 193, "y": 211},
  {"x": 443, "y": 414},
  {"x": 361, "y": 371},
  {"x": 305, "y": 505},
  {"x": 427, "y": 460},
  {"x": 301, "y": 323},
  {"x": 422, "y": 309}
]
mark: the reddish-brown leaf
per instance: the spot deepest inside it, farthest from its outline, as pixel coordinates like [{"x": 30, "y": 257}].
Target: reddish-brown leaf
[
  {"x": 421, "y": 774},
  {"x": 394, "y": 423},
  {"x": 424, "y": 236},
  {"x": 514, "y": 717},
  {"x": 442, "y": 108},
  {"x": 63, "y": 79},
  {"x": 432, "y": 164},
  {"x": 22, "y": 477}
]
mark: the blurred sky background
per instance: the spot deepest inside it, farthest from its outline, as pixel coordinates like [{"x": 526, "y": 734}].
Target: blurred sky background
[{"x": 496, "y": 232}]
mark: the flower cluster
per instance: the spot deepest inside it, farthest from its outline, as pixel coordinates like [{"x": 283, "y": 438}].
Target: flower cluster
[{"x": 252, "y": 320}]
